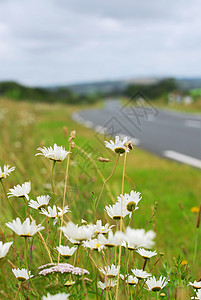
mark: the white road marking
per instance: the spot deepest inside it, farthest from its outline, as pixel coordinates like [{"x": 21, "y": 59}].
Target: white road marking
[
  {"x": 193, "y": 123},
  {"x": 100, "y": 129},
  {"x": 189, "y": 160}
]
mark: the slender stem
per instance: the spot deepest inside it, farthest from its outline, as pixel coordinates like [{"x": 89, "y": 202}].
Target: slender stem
[
  {"x": 64, "y": 197},
  {"x": 52, "y": 177},
  {"x": 26, "y": 262},
  {"x": 97, "y": 169},
  {"x": 144, "y": 264},
  {"x": 44, "y": 243},
  {"x": 121, "y": 220},
  {"x": 9, "y": 200},
  {"x": 28, "y": 210},
  {"x": 104, "y": 183},
  {"x": 196, "y": 244}
]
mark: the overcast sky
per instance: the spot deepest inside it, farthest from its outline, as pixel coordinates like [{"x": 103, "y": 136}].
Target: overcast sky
[{"x": 44, "y": 42}]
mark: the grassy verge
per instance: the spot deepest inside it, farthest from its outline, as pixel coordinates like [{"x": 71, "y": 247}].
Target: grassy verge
[{"x": 25, "y": 127}]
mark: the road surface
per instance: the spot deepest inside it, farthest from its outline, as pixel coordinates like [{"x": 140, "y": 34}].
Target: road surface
[{"x": 169, "y": 134}]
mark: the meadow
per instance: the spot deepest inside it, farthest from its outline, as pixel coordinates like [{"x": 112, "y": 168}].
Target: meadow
[{"x": 169, "y": 207}]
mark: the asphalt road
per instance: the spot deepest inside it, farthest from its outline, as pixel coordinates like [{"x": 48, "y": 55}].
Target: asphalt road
[{"x": 165, "y": 133}]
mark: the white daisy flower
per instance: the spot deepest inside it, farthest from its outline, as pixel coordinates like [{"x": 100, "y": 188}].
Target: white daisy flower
[
  {"x": 140, "y": 274},
  {"x": 116, "y": 211},
  {"x": 60, "y": 296},
  {"x": 135, "y": 238},
  {"x": 77, "y": 234},
  {"x": 145, "y": 253},
  {"x": 130, "y": 202},
  {"x": 118, "y": 145},
  {"x": 110, "y": 272},
  {"x": 131, "y": 280},
  {"x": 5, "y": 171},
  {"x": 195, "y": 284},
  {"x": 41, "y": 202},
  {"x": 112, "y": 240},
  {"x": 93, "y": 244},
  {"x": 22, "y": 274},
  {"x": 99, "y": 228},
  {"x": 58, "y": 153},
  {"x": 55, "y": 212},
  {"x": 156, "y": 285},
  {"x": 198, "y": 294},
  {"x": 108, "y": 284},
  {"x": 66, "y": 251},
  {"x": 4, "y": 248},
  {"x": 21, "y": 190},
  {"x": 25, "y": 229}
]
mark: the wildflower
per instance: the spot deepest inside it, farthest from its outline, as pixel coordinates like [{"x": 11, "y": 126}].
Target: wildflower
[
  {"x": 118, "y": 146},
  {"x": 110, "y": 272},
  {"x": 184, "y": 262},
  {"x": 62, "y": 268},
  {"x": 93, "y": 244},
  {"x": 5, "y": 171},
  {"x": 135, "y": 238},
  {"x": 116, "y": 211},
  {"x": 145, "y": 253},
  {"x": 194, "y": 209},
  {"x": 195, "y": 284},
  {"x": 198, "y": 294},
  {"x": 41, "y": 202},
  {"x": 130, "y": 202},
  {"x": 4, "y": 248},
  {"x": 99, "y": 228},
  {"x": 112, "y": 240},
  {"x": 66, "y": 251},
  {"x": 55, "y": 212},
  {"x": 131, "y": 280},
  {"x": 60, "y": 296},
  {"x": 108, "y": 284},
  {"x": 22, "y": 274},
  {"x": 77, "y": 234},
  {"x": 21, "y": 191},
  {"x": 26, "y": 228},
  {"x": 58, "y": 153},
  {"x": 156, "y": 285},
  {"x": 140, "y": 274}
]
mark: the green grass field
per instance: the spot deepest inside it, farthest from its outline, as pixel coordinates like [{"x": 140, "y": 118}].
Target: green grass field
[{"x": 27, "y": 126}]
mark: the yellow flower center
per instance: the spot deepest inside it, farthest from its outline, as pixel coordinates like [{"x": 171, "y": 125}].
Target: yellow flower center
[
  {"x": 131, "y": 206},
  {"x": 156, "y": 289},
  {"x": 119, "y": 150}
]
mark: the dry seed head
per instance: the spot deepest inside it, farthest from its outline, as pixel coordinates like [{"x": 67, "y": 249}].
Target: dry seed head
[
  {"x": 181, "y": 206},
  {"x": 72, "y": 145},
  {"x": 129, "y": 145},
  {"x": 65, "y": 131},
  {"x": 72, "y": 134},
  {"x": 102, "y": 159}
]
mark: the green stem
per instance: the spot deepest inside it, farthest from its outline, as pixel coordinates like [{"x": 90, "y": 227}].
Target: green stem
[
  {"x": 52, "y": 177},
  {"x": 196, "y": 244},
  {"x": 104, "y": 183},
  {"x": 28, "y": 210},
  {"x": 9, "y": 200},
  {"x": 64, "y": 197},
  {"x": 121, "y": 220}
]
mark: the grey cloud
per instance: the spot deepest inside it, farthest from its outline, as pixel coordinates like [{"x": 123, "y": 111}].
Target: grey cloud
[{"x": 65, "y": 41}]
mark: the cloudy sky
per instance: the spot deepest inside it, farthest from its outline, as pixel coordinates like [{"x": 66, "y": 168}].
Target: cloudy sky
[{"x": 44, "y": 42}]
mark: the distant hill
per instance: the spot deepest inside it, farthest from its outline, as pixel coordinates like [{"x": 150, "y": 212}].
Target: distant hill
[
  {"x": 18, "y": 91},
  {"x": 118, "y": 86}
]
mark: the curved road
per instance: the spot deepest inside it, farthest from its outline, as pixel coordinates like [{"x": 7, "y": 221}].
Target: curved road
[{"x": 169, "y": 134}]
